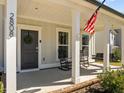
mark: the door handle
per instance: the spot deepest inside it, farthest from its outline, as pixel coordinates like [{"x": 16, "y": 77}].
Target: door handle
[{"x": 36, "y": 48}]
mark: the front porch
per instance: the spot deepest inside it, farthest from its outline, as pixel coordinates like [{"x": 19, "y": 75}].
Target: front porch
[
  {"x": 53, "y": 26},
  {"x": 47, "y": 80}
]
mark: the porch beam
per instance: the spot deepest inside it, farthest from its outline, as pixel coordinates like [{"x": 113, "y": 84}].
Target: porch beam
[
  {"x": 10, "y": 45},
  {"x": 106, "y": 47},
  {"x": 75, "y": 46},
  {"x": 122, "y": 45}
]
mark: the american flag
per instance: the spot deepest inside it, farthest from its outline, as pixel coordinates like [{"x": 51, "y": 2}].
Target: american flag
[{"x": 90, "y": 26}]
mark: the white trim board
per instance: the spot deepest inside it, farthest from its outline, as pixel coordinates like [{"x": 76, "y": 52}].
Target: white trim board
[
  {"x": 44, "y": 66},
  {"x": 44, "y": 20},
  {"x": 28, "y": 27}
]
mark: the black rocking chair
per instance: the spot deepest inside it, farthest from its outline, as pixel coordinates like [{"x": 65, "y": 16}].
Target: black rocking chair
[
  {"x": 65, "y": 64},
  {"x": 84, "y": 61}
]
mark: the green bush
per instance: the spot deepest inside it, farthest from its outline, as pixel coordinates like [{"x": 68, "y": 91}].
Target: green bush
[
  {"x": 117, "y": 54},
  {"x": 113, "y": 81},
  {"x": 1, "y": 87}
]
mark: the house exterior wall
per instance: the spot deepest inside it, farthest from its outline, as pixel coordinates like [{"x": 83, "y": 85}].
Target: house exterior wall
[
  {"x": 49, "y": 38},
  {"x": 1, "y": 37},
  {"x": 99, "y": 42}
]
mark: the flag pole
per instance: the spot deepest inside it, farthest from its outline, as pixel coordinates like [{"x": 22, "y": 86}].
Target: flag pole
[
  {"x": 99, "y": 9},
  {"x": 100, "y": 5}
]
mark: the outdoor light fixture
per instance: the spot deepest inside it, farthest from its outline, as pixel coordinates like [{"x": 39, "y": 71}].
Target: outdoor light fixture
[{"x": 36, "y": 8}]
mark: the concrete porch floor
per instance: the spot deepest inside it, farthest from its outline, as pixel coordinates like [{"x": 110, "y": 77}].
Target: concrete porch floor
[{"x": 47, "y": 80}]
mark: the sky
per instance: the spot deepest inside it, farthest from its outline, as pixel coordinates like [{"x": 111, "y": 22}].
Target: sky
[{"x": 115, "y": 4}]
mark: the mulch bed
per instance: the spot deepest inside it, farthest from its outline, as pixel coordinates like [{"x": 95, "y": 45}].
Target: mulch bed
[
  {"x": 83, "y": 87},
  {"x": 96, "y": 88}
]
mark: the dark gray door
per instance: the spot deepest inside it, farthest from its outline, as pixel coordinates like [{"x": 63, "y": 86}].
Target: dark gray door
[{"x": 29, "y": 49}]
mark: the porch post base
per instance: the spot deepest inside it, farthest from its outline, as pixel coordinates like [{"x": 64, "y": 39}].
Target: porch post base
[
  {"x": 75, "y": 80},
  {"x": 106, "y": 69}
]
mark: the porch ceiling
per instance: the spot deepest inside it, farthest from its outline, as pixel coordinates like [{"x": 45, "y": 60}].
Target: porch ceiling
[
  {"x": 2, "y": 2},
  {"x": 44, "y": 11},
  {"x": 56, "y": 12}
]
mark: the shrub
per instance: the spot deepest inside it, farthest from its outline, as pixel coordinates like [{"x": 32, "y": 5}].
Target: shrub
[
  {"x": 113, "y": 81},
  {"x": 1, "y": 87},
  {"x": 117, "y": 54}
]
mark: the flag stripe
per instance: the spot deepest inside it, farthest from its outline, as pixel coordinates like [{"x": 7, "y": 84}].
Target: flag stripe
[{"x": 90, "y": 26}]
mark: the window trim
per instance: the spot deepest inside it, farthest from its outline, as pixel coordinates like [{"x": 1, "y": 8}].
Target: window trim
[
  {"x": 82, "y": 41},
  {"x": 57, "y": 43},
  {"x": 88, "y": 46}
]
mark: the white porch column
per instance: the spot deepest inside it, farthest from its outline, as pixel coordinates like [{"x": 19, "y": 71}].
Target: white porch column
[
  {"x": 92, "y": 43},
  {"x": 122, "y": 45},
  {"x": 106, "y": 47},
  {"x": 90, "y": 48},
  {"x": 10, "y": 45},
  {"x": 75, "y": 46},
  {"x": 94, "y": 52}
]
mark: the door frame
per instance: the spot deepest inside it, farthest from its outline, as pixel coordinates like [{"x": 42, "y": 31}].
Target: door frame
[{"x": 28, "y": 27}]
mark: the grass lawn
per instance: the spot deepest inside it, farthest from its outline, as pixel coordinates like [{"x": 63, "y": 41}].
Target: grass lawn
[{"x": 111, "y": 63}]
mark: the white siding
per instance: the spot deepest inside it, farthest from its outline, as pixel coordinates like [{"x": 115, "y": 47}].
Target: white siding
[{"x": 100, "y": 42}]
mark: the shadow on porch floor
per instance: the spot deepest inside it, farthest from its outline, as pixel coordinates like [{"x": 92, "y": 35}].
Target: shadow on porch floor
[{"x": 47, "y": 80}]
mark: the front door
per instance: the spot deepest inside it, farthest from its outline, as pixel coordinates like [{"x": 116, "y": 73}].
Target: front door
[{"x": 29, "y": 49}]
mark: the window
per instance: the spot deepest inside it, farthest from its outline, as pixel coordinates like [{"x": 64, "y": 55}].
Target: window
[
  {"x": 85, "y": 45},
  {"x": 63, "y": 38},
  {"x": 63, "y": 44},
  {"x": 85, "y": 40}
]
